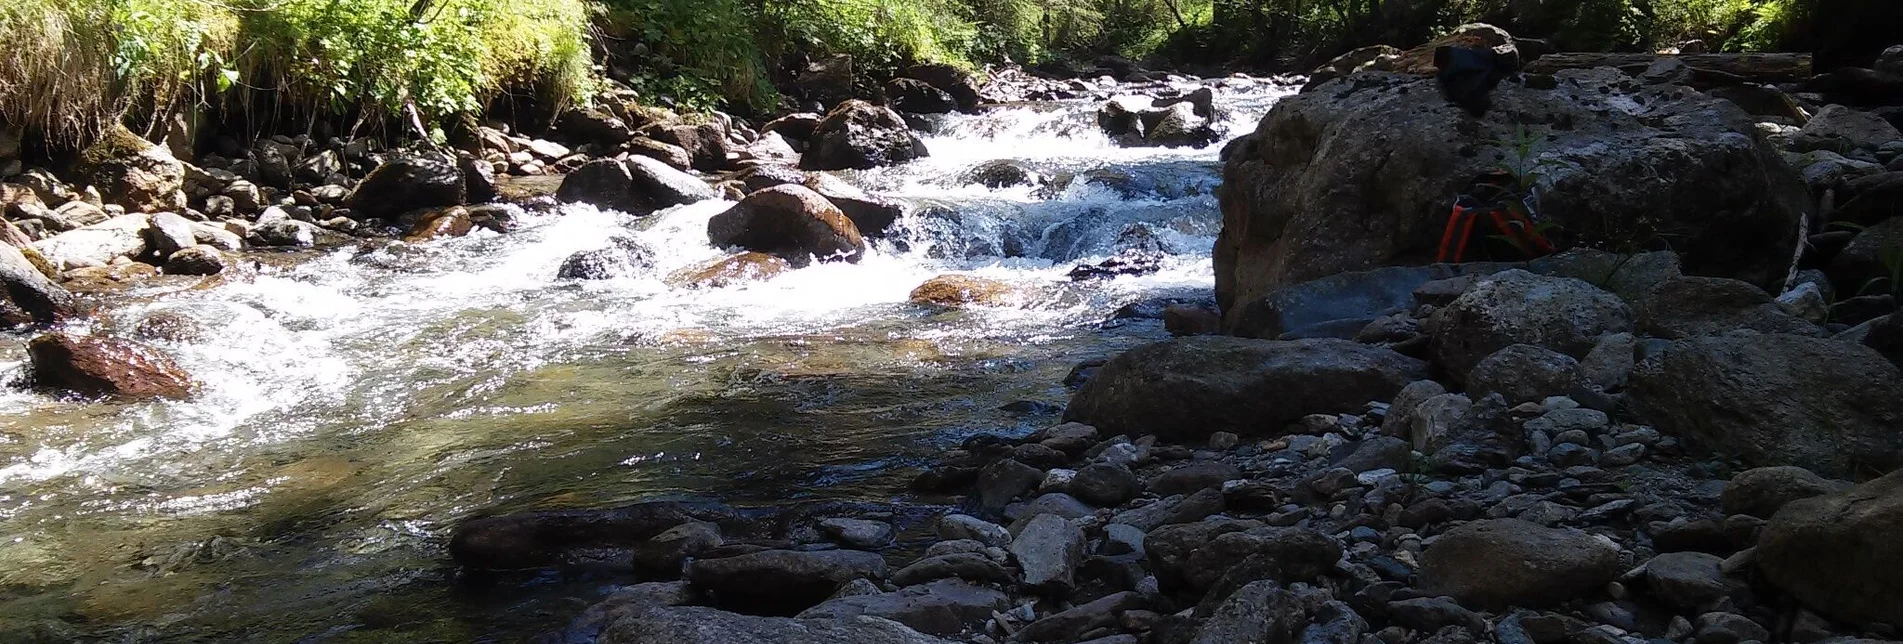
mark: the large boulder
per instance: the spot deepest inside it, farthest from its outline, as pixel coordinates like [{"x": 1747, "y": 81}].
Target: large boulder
[
  {"x": 782, "y": 581},
  {"x": 790, "y": 222},
  {"x": 636, "y": 185},
  {"x": 858, "y": 135},
  {"x": 1761, "y": 492},
  {"x": 1516, "y": 307},
  {"x": 30, "y": 296},
  {"x": 408, "y": 182},
  {"x": 1359, "y": 172},
  {"x": 1496, "y": 563},
  {"x": 104, "y": 367},
  {"x": 1684, "y": 307},
  {"x": 1832, "y": 407},
  {"x": 134, "y": 173},
  {"x": 1839, "y": 554},
  {"x": 96, "y": 245},
  {"x": 1188, "y": 388},
  {"x": 699, "y": 625},
  {"x": 918, "y": 97}
]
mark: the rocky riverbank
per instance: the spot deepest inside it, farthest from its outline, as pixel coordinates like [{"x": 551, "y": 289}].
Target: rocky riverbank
[{"x": 1693, "y": 444}]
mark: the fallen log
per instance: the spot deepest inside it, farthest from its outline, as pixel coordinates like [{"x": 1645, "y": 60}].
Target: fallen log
[{"x": 1756, "y": 68}]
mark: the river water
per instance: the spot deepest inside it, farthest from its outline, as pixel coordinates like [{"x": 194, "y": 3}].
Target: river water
[{"x": 358, "y": 402}]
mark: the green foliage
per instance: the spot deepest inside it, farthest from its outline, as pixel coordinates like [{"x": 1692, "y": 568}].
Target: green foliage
[{"x": 91, "y": 60}]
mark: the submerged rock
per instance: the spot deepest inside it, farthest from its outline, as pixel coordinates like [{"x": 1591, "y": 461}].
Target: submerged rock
[
  {"x": 623, "y": 257},
  {"x": 732, "y": 271},
  {"x": 94, "y": 366}
]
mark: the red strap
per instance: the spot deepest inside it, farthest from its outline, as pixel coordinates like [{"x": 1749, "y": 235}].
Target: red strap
[{"x": 1454, "y": 227}]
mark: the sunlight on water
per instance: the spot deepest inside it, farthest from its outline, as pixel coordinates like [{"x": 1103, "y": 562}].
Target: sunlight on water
[{"x": 354, "y": 406}]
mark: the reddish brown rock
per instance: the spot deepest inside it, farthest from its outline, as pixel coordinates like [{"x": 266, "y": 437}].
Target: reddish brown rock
[{"x": 104, "y": 367}]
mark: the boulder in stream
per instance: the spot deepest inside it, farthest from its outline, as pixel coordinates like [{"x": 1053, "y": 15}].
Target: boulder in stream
[
  {"x": 30, "y": 296},
  {"x": 105, "y": 367},
  {"x": 790, "y": 222},
  {"x": 858, "y": 135},
  {"x": 956, "y": 291},
  {"x": 637, "y": 185}
]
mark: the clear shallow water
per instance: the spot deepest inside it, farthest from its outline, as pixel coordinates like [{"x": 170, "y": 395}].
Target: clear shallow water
[{"x": 360, "y": 402}]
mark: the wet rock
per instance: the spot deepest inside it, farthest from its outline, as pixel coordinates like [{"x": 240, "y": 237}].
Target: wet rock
[
  {"x": 1337, "y": 179},
  {"x": 706, "y": 144},
  {"x": 735, "y": 270},
  {"x": 1516, "y": 307},
  {"x": 1761, "y": 492},
  {"x": 699, "y": 625},
  {"x": 1526, "y": 373},
  {"x": 195, "y": 260},
  {"x": 104, "y": 367},
  {"x": 871, "y": 214},
  {"x": 1048, "y": 550},
  {"x": 1837, "y": 553},
  {"x": 944, "y": 607},
  {"x": 624, "y": 257},
  {"x": 593, "y": 126},
  {"x": 790, "y": 222},
  {"x": 28, "y": 290},
  {"x": 1185, "y": 389},
  {"x": 637, "y": 185},
  {"x": 1776, "y": 400},
  {"x": 1000, "y": 174},
  {"x": 408, "y": 182},
  {"x": 97, "y": 244},
  {"x": 1690, "y": 581},
  {"x": 958, "y": 291},
  {"x": 860, "y": 135},
  {"x": 1494, "y": 563},
  {"x": 782, "y": 581}
]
